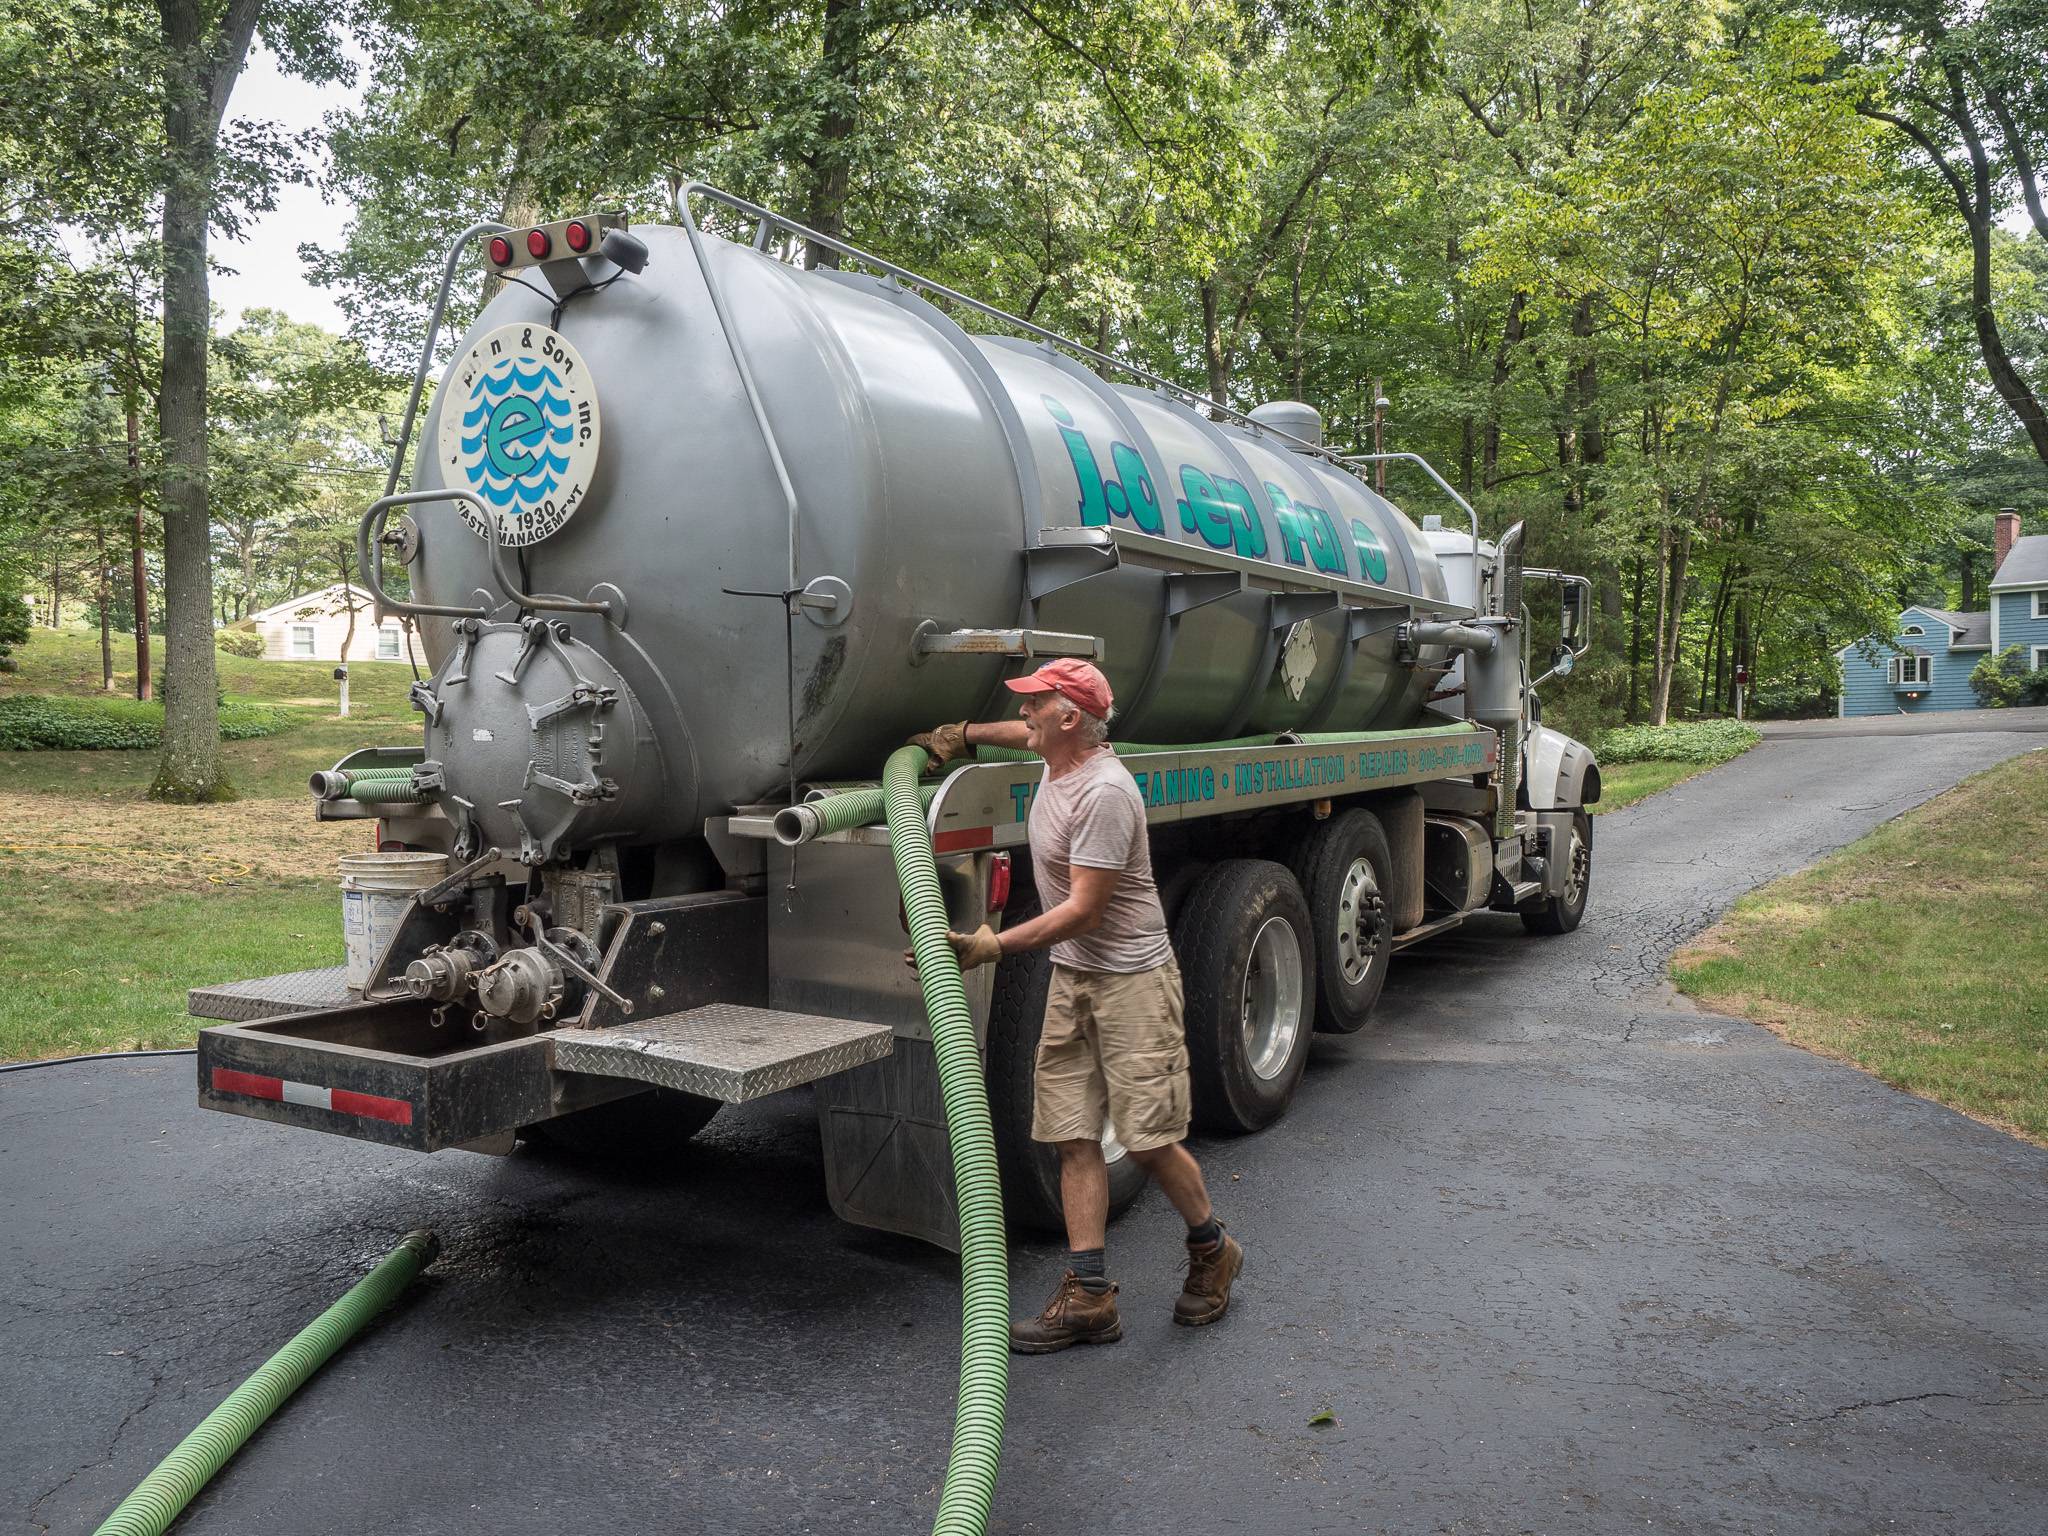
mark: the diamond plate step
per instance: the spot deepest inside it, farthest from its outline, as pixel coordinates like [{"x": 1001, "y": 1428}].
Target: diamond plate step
[
  {"x": 268, "y": 996},
  {"x": 725, "y": 1051}
]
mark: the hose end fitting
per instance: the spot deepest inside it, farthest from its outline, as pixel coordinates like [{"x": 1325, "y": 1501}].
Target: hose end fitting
[{"x": 795, "y": 824}]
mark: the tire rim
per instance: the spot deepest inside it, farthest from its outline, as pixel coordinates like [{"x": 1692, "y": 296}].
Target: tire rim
[
  {"x": 1577, "y": 870},
  {"x": 1270, "y": 1006},
  {"x": 1359, "y": 913}
]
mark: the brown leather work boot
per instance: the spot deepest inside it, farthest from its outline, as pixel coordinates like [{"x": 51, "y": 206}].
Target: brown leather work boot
[
  {"x": 1206, "y": 1296},
  {"x": 1075, "y": 1315}
]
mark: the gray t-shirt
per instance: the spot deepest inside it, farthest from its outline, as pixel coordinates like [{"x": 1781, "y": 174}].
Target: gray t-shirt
[{"x": 1095, "y": 817}]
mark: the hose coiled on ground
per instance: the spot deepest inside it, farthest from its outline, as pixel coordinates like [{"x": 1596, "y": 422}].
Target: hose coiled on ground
[
  {"x": 969, "y": 1489},
  {"x": 162, "y": 1496}
]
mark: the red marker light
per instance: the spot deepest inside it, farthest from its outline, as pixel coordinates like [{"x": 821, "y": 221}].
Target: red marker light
[
  {"x": 578, "y": 236},
  {"x": 501, "y": 250},
  {"x": 537, "y": 242}
]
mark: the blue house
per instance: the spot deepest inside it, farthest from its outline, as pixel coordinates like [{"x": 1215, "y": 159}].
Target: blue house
[{"x": 1927, "y": 664}]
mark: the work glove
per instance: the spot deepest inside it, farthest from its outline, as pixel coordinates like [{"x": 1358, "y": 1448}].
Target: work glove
[
  {"x": 980, "y": 947},
  {"x": 942, "y": 743}
]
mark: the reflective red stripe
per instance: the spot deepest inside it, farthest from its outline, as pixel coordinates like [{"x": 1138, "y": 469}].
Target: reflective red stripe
[
  {"x": 966, "y": 837},
  {"x": 364, "y": 1106},
  {"x": 226, "y": 1080},
  {"x": 371, "y": 1106}
]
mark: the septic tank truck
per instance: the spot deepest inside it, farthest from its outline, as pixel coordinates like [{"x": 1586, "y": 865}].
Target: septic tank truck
[{"x": 695, "y": 538}]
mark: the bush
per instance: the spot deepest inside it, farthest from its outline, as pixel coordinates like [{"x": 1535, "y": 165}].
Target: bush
[
  {"x": 2004, "y": 680},
  {"x": 1698, "y": 741},
  {"x": 239, "y": 642},
  {"x": 14, "y": 627},
  {"x": 31, "y": 723}
]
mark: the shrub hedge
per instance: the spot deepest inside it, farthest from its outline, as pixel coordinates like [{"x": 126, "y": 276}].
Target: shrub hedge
[
  {"x": 33, "y": 722},
  {"x": 245, "y": 643},
  {"x": 1695, "y": 741}
]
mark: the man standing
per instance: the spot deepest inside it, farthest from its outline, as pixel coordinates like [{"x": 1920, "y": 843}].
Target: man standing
[{"x": 1113, "y": 1048}]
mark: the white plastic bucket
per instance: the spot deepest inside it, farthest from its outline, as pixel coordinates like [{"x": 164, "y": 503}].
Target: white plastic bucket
[{"x": 375, "y": 888}]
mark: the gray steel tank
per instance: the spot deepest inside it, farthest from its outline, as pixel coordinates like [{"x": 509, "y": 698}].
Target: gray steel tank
[{"x": 623, "y": 451}]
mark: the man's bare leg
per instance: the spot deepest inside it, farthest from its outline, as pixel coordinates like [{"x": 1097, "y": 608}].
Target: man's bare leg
[
  {"x": 1180, "y": 1176},
  {"x": 1084, "y": 1194}
]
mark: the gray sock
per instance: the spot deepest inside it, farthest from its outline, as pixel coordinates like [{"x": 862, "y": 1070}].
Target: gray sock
[{"x": 1086, "y": 1263}]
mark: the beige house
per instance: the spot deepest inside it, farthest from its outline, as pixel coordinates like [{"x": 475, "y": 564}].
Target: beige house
[{"x": 313, "y": 626}]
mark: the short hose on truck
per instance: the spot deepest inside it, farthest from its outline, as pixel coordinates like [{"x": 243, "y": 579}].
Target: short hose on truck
[{"x": 970, "y": 1484}]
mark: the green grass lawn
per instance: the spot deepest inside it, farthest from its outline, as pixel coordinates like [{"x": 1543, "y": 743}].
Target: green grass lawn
[
  {"x": 274, "y": 767},
  {"x": 1919, "y": 953},
  {"x": 1626, "y": 783},
  {"x": 80, "y": 972},
  {"x": 88, "y": 965}
]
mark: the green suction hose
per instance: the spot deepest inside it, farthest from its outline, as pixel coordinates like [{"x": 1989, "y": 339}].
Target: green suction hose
[
  {"x": 970, "y": 1484},
  {"x": 163, "y": 1495}
]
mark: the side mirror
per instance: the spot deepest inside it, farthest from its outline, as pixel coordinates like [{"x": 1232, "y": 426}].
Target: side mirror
[{"x": 1562, "y": 660}]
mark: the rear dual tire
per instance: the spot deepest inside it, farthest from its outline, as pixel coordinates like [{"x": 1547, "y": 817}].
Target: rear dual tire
[{"x": 1246, "y": 958}]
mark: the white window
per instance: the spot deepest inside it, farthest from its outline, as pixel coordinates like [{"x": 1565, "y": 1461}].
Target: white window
[
  {"x": 1913, "y": 670},
  {"x": 1912, "y": 629},
  {"x": 2040, "y": 657},
  {"x": 302, "y": 639},
  {"x": 2041, "y": 604},
  {"x": 387, "y": 643}
]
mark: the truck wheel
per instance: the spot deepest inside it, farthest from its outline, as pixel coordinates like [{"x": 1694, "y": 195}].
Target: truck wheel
[
  {"x": 1247, "y": 960},
  {"x": 1031, "y": 1169},
  {"x": 1344, "y": 866},
  {"x": 648, "y": 1128},
  {"x": 1561, "y": 914}
]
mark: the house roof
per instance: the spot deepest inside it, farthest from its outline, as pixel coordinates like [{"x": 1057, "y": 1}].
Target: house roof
[
  {"x": 327, "y": 599},
  {"x": 2025, "y": 564},
  {"x": 1967, "y": 631},
  {"x": 1972, "y": 630}
]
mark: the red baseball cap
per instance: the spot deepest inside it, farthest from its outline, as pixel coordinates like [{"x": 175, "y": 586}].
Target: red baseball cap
[{"x": 1081, "y": 682}]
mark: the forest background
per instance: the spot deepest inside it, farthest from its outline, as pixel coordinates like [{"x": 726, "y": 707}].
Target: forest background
[{"x": 1742, "y": 307}]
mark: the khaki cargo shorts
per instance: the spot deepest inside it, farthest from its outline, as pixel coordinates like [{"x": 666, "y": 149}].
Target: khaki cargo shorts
[{"x": 1113, "y": 1049}]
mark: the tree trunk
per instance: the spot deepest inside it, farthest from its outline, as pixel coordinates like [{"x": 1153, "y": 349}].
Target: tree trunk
[
  {"x": 1213, "y": 354},
  {"x": 832, "y": 163},
  {"x": 99, "y": 539},
  {"x": 138, "y": 570},
  {"x": 1510, "y": 338},
  {"x": 1670, "y": 618},
  {"x": 198, "y": 79},
  {"x": 1635, "y": 647},
  {"x": 348, "y": 638}
]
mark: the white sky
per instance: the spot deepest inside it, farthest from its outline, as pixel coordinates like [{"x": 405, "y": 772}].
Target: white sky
[{"x": 268, "y": 273}]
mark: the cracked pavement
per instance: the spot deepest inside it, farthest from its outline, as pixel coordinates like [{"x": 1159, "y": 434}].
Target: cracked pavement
[{"x": 1558, "y": 1252}]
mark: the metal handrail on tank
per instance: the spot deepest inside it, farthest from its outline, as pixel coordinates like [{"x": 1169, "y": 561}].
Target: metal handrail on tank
[
  {"x": 370, "y": 559},
  {"x": 426, "y": 362},
  {"x": 370, "y": 556},
  {"x": 1428, "y": 469},
  {"x": 769, "y": 219}
]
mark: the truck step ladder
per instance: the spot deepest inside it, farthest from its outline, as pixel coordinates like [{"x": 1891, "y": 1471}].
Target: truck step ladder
[{"x": 724, "y": 1051}]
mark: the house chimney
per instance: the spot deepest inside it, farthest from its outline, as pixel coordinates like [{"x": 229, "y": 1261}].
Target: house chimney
[{"x": 2008, "y": 534}]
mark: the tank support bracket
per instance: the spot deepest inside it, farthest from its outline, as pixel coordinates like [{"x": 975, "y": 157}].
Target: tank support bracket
[{"x": 930, "y": 640}]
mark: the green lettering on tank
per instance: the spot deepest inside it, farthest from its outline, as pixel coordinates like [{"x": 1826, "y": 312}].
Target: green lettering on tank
[
  {"x": 1221, "y": 510},
  {"x": 1372, "y": 555},
  {"x": 1135, "y": 487},
  {"x": 1131, "y": 494},
  {"x": 1094, "y": 504},
  {"x": 1325, "y": 548},
  {"x": 1293, "y": 541}
]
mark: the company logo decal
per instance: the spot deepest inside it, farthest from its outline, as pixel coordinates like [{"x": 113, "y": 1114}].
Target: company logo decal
[{"x": 520, "y": 428}]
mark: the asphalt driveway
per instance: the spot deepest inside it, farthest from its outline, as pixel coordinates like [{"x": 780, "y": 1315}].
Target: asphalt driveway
[{"x": 1557, "y": 1254}]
